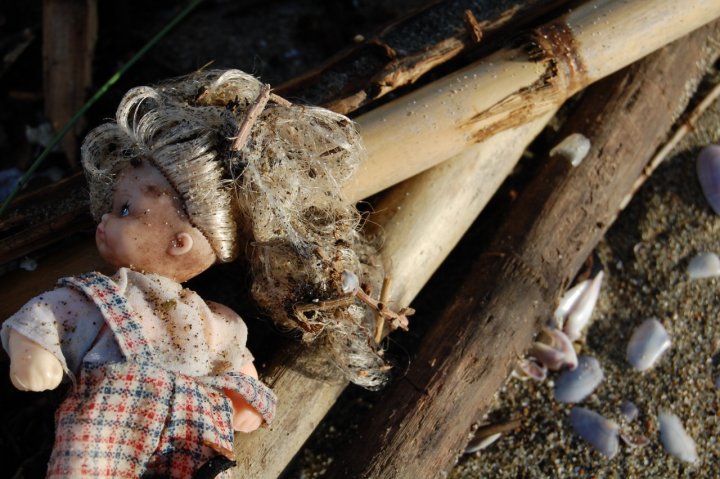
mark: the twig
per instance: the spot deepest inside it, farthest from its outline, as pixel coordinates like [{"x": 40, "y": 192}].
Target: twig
[
  {"x": 379, "y": 318},
  {"x": 253, "y": 111},
  {"x": 685, "y": 128},
  {"x": 98, "y": 94}
]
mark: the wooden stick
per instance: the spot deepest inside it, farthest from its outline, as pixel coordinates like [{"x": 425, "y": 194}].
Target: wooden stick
[
  {"x": 399, "y": 54},
  {"x": 69, "y": 36},
  {"x": 422, "y": 421}
]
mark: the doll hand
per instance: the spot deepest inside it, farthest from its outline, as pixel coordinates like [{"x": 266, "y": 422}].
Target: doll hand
[
  {"x": 245, "y": 417},
  {"x": 32, "y": 367}
]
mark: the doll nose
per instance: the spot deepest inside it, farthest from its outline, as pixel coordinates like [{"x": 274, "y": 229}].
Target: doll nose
[{"x": 104, "y": 218}]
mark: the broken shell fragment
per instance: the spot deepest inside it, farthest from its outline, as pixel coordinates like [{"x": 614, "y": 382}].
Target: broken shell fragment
[
  {"x": 704, "y": 265},
  {"x": 529, "y": 368},
  {"x": 350, "y": 282},
  {"x": 577, "y": 384},
  {"x": 634, "y": 440},
  {"x": 629, "y": 410},
  {"x": 480, "y": 443},
  {"x": 676, "y": 441},
  {"x": 581, "y": 312},
  {"x": 647, "y": 343},
  {"x": 601, "y": 433},
  {"x": 554, "y": 350},
  {"x": 574, "y": 148},
  {"x": 708, "y": 171}
]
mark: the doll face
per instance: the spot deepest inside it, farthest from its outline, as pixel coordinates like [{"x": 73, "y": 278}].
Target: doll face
[{"x": 144, "y": 222}]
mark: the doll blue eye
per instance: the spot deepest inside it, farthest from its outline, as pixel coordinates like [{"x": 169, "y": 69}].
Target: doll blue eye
[{"x": 125, "y": 210}]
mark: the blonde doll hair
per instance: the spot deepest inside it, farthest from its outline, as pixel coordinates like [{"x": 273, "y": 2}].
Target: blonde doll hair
[{"x": 282, "y": 189}]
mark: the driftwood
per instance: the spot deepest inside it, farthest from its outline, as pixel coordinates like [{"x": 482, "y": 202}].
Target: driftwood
[
  {"x": 69, "y": 35},
  {"x": 423, "y": 421}
]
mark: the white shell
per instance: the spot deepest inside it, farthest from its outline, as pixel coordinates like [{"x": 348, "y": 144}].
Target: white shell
[
  {"x": 577, "y": 384},
  {"x": 704, "y": 265},
  {"x": 574, "y": 147},
  {"x": 568, "y": 300},
  {"x": 674, "y": 438},
  {"x": 708, "y": 171},
  {"x": 601, "y": 433},
  {"x": 350, "y": 282},
  {"x": 581, "y": 312},
  {"x": 648, "y": 342},
  {"x": 478, "y": 445}
]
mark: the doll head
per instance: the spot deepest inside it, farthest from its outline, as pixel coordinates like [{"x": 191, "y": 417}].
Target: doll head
[
  {"x": 279, "y": 191},
  {"x": 147, "y": 229}
]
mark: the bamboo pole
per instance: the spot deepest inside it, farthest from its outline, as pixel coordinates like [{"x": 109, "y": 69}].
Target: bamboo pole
[
  {"x": 422, "y": 422},
  {"x": 514, "y": 86}
]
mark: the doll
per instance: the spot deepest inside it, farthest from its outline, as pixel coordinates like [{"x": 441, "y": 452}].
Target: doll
[{"x": 193, "y": 171}]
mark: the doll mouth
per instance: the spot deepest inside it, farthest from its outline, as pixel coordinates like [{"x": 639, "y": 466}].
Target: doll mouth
[{"x": 99, "y": 232}]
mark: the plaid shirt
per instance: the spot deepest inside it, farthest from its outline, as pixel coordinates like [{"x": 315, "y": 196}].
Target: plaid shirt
[{"x": 135, "y": 418}]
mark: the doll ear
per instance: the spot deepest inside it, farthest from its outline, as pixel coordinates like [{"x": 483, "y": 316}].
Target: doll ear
[{"x": 182, "y": 244}]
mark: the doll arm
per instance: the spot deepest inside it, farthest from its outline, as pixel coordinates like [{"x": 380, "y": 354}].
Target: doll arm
[
  {"x": 32, "y": 367},
  {"x": 232, "y": 338},
  {"x": 53, "y": 330}
]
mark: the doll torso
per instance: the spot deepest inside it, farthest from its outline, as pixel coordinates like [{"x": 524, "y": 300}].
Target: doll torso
[{"x": 155, "y": 362}]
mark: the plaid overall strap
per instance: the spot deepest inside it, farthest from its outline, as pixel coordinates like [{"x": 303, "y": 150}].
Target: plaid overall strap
[
  {"x": 118, "y": 314},
  {"x": 257, "y": 394}
]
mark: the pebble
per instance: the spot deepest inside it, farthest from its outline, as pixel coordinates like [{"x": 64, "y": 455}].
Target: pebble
[{"x": 708, "y": 172}]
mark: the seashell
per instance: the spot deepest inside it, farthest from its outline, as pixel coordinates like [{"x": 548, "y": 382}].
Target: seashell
[
  {"x": 577, "y": 384},
  {"x": 478, "y": 444},
  {"x": 554, "y": 350},
  {"x": 676, "y": 441},
  {"x": 647, "y": 343},
  {"x": 574, "y": 147},
  {"x": 350, "y": 282},
  {"x": 601, "y": 433},
  {"x": 582, "y": 310},
  {"x": 634, "y": 440},
  {"x": 708, "y": 171},
  {"x": 629, "y": 410},
  {"x": 529, "y": 368},
  {"x": 568, "y": 300},
  {"x": 704, "y": 265}
]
